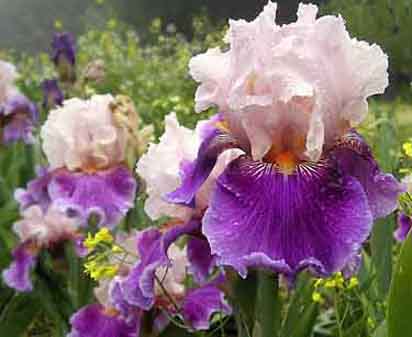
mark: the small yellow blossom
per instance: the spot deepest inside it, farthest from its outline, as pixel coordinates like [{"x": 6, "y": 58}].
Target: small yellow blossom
[
  {"x": 58, "y": 24},
  {"x": 407, "y": 148},
  {"x": 317, "y": 297},
  {"x": 104, "y": 235},
  {"x": 319, "y": 282},
  {"x": 90, "y": 243},
  {"x": 353, "y": 283},
  {"x": 117, "y": 249}
]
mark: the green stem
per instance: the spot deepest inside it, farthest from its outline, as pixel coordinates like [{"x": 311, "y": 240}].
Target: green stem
[{"x": 268, "y": 306}]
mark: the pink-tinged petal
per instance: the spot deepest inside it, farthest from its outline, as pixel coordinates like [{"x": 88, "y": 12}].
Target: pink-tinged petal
[
  {"x": 315, "y": 217},
  {"x": 17, "y": 276},
  {"x": 309, "y": 76},
  {"x": 107, "y": 194},
  {"x": 161, "y": 168},
  {"x": 95, "y": 321},
  {"x": 355, "y": 158},
  {"x": 82, "y": 134},
  {"x": 45, "y": 228},
  {"x": 404, "y": 227}
]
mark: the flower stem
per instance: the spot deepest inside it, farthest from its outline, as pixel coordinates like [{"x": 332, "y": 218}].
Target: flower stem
[{"x": 268, "y": 306}]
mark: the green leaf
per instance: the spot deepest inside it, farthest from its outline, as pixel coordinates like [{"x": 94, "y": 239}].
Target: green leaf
[
  {"x": 302, "y": 312},
  {"x": 381, "y": 331},
  {"x": 18, "y": 314},
  {"x": 268, "y": 306},
  {"x": 243, "y": 301},
  {"x": 386, "y": 144},
  {"x": 381, "y": 248},
  {"x": 400, "y": 297}
]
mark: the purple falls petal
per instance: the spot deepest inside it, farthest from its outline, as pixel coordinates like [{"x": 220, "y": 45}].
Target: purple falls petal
[
  {"x": 138, "y": 287},
  {"x": 36, "y": 191},
  {"x": 194, "y": 174},
  {"x": 200, "y": 304},
  {"x": 200, "y": 258},
  {"x": 93, "y": 321},
  {"x": 17, "y": 276},
  {"x": 20, "y": 117},
  {"x": 404, "y": 227},
  {"x": 52, "y": 95},
  {"x": 314, "y": 218},
  {"x": 152, "y": 246},
  {"x": 107, "y": 194},
  {"x": 355, "y": 158}
]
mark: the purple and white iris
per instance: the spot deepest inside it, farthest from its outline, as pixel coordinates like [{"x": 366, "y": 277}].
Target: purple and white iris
[
  {"x": 307, "y": 189},
  {"x": 86, "y": 152},
  {"x": 18, "y": 115},
  {"x": 38, "y": 229}
]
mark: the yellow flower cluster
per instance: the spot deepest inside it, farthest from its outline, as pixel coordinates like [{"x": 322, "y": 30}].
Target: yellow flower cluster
[
  {"x": 99, "y": 271},
  {"x": 102, "y": 236},
  {"x": 335, "y": 282},
  {"x": 98, "y": 265},
  {"x": 407, "y": 148}
]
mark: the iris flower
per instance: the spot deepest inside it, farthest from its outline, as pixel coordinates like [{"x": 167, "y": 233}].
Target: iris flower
[{"x": 306, "y": 190}]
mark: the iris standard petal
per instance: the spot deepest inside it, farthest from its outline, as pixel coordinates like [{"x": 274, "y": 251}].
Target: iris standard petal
[{"x": 196, "y": 172}]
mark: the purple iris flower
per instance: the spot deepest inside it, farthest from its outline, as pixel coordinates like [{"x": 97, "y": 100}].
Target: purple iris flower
[
  {"x": 64, "y": 55},
  {"x": 52, "y": 95},
  {"x": 18, "y": 116}
]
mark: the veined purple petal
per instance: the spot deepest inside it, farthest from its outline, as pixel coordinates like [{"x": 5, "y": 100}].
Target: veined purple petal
[
  {"x": 404, "y": 227},
  {"x": 315, "y": 217},
  {"x": 109, "y": 194},
  {"x": 196, "y": 173},
  {"x": 52, "y": 95},
  {"x": 355, "y": 158},
  {"x": 93, "y": 321},
  {"x": 201, "y": 303},
  {"x": 20, "y": 116},
  {"x": 17, "y": 276},
  {"x": 36, "y": 191},
  {"x": 200, "y": 258}
]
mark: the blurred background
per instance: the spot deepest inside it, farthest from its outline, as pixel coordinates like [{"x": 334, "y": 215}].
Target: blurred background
[{"x": 175, "y": 30}]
